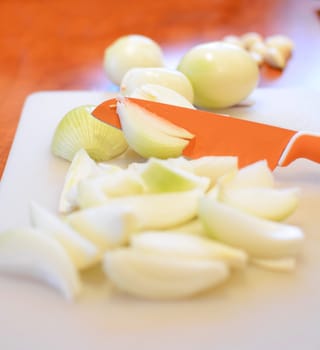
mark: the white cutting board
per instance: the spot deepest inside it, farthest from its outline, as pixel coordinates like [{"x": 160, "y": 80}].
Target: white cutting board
[{"x": 254, "y": 310}]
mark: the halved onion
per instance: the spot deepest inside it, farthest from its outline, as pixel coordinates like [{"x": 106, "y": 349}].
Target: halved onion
[{"x": 79, "y": 129}]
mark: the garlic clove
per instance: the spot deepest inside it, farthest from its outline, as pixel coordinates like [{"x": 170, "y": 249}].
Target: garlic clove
[
  {"x": 282, "y": 43},
  {"x": 250, "y": 38},
  {"x": 274, "y": 58}
]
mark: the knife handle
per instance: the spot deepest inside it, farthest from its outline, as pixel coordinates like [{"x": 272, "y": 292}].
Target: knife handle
[{"x": 302, "y": 145}]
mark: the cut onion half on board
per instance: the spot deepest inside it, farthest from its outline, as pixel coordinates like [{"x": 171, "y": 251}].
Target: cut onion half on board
[
  {"x": 79, "y": 129},
  {"x": 148, "y": 134}
]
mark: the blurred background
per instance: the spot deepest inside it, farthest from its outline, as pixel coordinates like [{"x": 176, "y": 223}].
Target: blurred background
[{"x": 59, "y": 44}]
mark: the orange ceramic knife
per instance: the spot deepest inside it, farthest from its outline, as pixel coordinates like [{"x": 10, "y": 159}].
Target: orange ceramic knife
[{"x": 222, "y": 135}]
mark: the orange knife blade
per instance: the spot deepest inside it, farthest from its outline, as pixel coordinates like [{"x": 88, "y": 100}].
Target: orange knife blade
[{"x": 222, "y": 135}]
